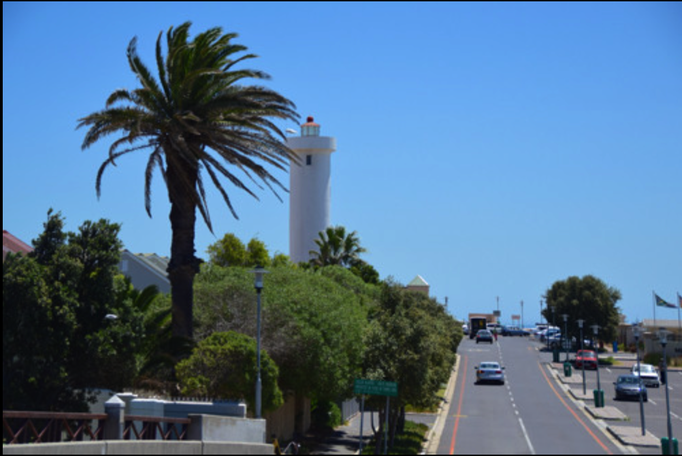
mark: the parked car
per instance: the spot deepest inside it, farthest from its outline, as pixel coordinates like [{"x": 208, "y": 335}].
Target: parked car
[
  {"x": 549, "y": 333},
  {"x": 490, "y": 371},
  {"x": 465, "y": 329},
  {"x": 555, "y": 341},
  {"x": 495, "y": 327},
  {"x": 628, "y": 387},
  {"x": 484, "y": 336},
  {"x": 648, "y": 373},
  {"x": 586, "y": 357},
  {"x": 514, "y": 331}
]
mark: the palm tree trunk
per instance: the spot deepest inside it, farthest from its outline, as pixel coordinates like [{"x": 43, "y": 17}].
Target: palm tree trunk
[{"x": 183, "y": 264}]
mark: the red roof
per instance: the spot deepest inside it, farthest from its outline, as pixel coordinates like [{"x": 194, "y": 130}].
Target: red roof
[{"x": 14, "y": 245}]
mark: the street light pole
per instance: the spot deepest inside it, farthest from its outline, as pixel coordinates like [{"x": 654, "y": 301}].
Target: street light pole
[
  {"x": 259, "y": 273},
  {"x": 663, "y": 336},
  {"x": 600, "y": 393},
  {"x": 565, "y": 335},
  {"x": 580, "y": 325},
  {"x": 636, "y": 333}
]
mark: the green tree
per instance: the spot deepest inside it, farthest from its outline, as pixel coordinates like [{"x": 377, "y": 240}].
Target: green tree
[
  {"x": 587, "y": 298},
  {"x": 228, "y": 251},
  {"x": 224, "y": 365},
  {"x": 56, "y": 339},
  {"x": 312, "y": 326},
  {"x": 411, "y": 340},
  {"x": 336, "y": 247},
  {"x": 197, "y": 117},
  {"x": 257, "y": 254}
]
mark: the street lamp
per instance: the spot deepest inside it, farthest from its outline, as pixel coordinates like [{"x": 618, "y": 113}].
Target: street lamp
[
  {"x": 522, "y": 315},
  {"x": 580, "y": 325},
  {"x": 599, "y": 393},
  {"x": 663, "y": 337},
  {"x": 259, "y": 273},
  {"x": 636, "y": 333},
  {"x": 565, "y": 335}
]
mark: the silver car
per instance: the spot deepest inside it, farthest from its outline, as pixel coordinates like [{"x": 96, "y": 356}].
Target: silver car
[
  {"x": 490, "y": 371},
  {"x": 648, "y": 374}
]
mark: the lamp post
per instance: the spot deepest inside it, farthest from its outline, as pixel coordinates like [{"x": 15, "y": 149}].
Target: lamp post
[
  {"x": 259, "y": 273},
  {"x": 554, "y": 326},
  {"x": 580, "y": 325},
  {"x": 636, "y": 333},
  {"x": 663, "y": 337},
  {"x": 522, "y": 315},
  {"x": 565, "y": 334},
  {"x": 599, "y": 393}
]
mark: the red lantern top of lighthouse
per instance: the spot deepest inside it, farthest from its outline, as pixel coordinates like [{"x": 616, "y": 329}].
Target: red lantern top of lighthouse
[{"x": 310, "y": 128}]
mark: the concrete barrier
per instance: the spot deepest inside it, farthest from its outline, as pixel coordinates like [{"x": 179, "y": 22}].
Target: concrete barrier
[
  {"x": 209, "y": 428},
  {"x": 139, "y": 447}
]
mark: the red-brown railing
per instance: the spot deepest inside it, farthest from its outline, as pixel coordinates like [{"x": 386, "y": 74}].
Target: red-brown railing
[
  {"x": 47, "y": 427},
  {"x": 42, "y": 427},
  {"x": 175, "y": 427}
]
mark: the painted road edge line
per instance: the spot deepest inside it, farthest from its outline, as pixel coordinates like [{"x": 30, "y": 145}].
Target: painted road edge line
[{"x": 433, "y": 439}]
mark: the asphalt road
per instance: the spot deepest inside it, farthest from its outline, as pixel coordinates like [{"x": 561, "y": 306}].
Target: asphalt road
[{"x": 530, "y": 414}]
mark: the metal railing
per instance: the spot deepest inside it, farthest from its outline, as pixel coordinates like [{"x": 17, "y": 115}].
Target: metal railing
[
  {"x": 45, "y": 427},
  {"x": 51, "y": 427},
  {"x": 174, "y": 429}
]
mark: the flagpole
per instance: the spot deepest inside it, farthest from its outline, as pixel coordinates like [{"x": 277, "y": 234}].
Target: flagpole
[{"x": 679, "y": 324}]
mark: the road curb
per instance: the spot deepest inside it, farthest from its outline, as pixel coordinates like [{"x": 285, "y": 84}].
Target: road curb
[
  {"x": 631, "y": 436},
  {"x": 434, "y": 435}
]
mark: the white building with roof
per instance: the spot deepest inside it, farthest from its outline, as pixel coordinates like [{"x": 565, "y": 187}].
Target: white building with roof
[
  {"x": 309, "y": 189},
  {"x": 145, "y": 269}
]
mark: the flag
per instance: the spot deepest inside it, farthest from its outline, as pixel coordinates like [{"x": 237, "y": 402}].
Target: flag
[
  {"x": 679, "y": 300},
  {"x": 661, "y": 303}
]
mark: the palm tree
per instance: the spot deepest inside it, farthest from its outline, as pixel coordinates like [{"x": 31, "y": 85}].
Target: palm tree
[
  {"x": 336, "y": 247},
  {"x": 197, "y": 120}
]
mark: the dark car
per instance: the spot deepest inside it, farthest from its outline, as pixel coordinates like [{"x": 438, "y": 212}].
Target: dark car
[
  {"x": 628, "y": 387},
  {"x": 484, "y": 336},
  {"x": 514, "y": 331}
]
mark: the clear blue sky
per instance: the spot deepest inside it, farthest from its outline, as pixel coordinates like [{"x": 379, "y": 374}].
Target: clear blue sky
[{"x": 491, "y": 148}]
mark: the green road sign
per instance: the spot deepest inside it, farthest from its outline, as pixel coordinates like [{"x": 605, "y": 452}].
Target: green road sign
[{"x": 375, "y": 387}]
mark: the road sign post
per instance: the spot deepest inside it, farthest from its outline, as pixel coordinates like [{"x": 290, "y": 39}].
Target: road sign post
[{"x": 375, "y": 388}]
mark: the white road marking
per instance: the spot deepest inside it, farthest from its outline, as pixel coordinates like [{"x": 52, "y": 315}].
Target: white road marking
[
  {"x": 653, "y": 402},
  {"x": 525, "y": 434}
]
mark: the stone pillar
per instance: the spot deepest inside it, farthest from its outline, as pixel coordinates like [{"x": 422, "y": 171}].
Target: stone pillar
[{"x": 113, "y": 427}]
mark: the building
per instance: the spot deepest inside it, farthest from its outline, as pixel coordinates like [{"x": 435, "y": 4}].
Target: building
[
  {"x": 12, "y": 244},
  {"x": 309, "y": 189},
  {"x": 145, "y": 269},
  {"x": 418, "y": 284}
]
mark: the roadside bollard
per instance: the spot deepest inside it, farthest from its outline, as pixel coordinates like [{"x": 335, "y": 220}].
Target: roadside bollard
[
  {"x": 598, "y": 398},
  {"x": 555, "y": 355},
  {"x": 665, "y": 447},
  {"x": 568, "y": 369}
]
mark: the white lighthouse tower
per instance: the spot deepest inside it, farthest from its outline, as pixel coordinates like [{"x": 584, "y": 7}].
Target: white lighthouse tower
[{"x": 309, "y": 189}]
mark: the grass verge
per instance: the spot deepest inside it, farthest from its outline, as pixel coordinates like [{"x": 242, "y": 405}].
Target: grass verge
[{"x": 409, "y": 442}]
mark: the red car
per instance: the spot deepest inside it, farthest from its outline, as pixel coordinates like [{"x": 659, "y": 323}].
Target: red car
[{"x": 587, "y": 357}]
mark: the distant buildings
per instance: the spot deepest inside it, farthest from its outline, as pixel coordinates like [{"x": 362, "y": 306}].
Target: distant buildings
[
  {"x": 12, "y": 244},
  {"x": 418, "y": 284},
  {"x": 145, "y": 269}
]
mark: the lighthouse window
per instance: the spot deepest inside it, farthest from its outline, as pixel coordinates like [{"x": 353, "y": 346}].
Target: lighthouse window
[{"x": 308, "y": 160}]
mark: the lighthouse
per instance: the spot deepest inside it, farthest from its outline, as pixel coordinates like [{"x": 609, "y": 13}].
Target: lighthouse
[{"x": 309, "y": 189}]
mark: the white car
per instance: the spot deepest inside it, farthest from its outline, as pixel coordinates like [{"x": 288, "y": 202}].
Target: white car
[
  {"x": 648, "y": 374},
  {"x": 490, "y": 371}
]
